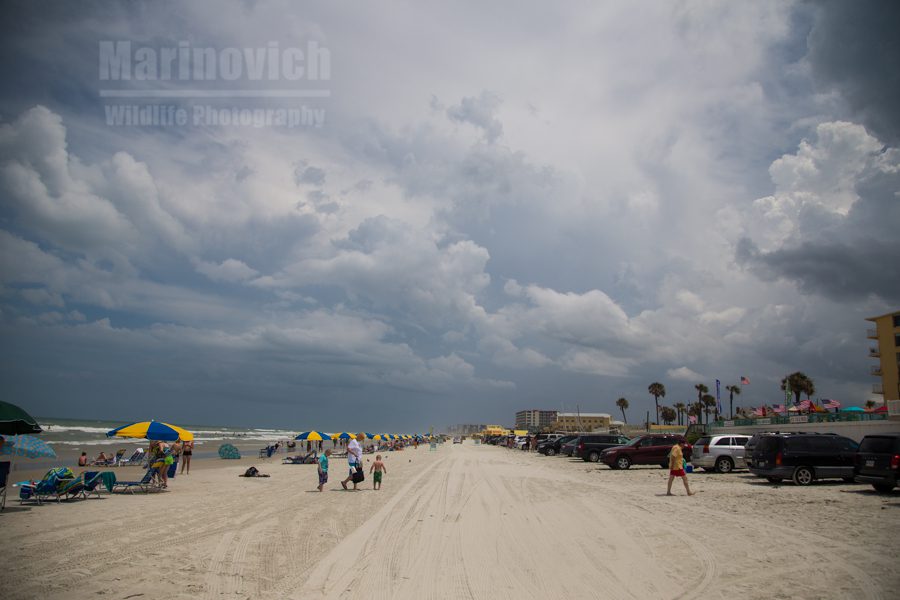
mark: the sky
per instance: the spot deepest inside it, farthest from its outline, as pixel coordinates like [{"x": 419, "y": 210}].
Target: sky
[{"x": 435, "y": 213}]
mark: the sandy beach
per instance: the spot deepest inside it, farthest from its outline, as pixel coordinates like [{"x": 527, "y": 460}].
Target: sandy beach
[{"x": 464, "y": 521}]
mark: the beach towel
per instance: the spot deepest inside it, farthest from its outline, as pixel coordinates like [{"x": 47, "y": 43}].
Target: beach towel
[{"x": 109, "y": 480}]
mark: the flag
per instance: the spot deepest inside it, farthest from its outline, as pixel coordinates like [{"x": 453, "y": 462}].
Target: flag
[
  {"x": 779, "y": 408},
  {"x": 804, "y": 405},
  {"x": 832, "y": 404},
  {"x": 692, "y": 419},
  {"x": 718, "y": 401},
  {"x": 744, "y": 380},
  {"x": 759, "y": 412}
]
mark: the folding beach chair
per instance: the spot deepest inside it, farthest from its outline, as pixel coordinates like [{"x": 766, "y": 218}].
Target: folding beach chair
[
  {"x": 92, "y": 481},
  {"x": 66, "y": 489},
  {"x": 309, "y": 459},
  {"x": 135, "y": 459},
  {"x": 4, "y": 475},
  {"x": 146, "y": 484},
  {"x": 38, "y": 491},
  {"x": 115, "y": 460}
]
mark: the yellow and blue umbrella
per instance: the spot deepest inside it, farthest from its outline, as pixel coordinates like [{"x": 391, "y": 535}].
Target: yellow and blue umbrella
[
  {"x": 152, "y": 430},
  {"x": 342, "y": 436},
  {"x": 27, "y": 446},
  {"x": 313, "y": 436}
]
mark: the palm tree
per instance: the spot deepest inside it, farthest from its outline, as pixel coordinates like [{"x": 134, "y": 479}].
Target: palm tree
[
  {"x": 732, "y": 390},
  {"x": 680, "y": 407},
  {"x": 622, "y": 403},
  {"x": 701, "y": 389},
  {"x": 668, "y": 414},
  {"x": 709, "y": 402},
  {"x": 870, "y": 404},
  {"x": 657, "y": 390},
  {"x": 796, "y": 383},
  {"x": 809, "y": 388}
]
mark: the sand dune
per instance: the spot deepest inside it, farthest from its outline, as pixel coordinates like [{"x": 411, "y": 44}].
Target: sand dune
[{"x": 463, "y": 522}]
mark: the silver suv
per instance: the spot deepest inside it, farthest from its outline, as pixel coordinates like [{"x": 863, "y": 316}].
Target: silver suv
[{"x": 722, "y": 453}]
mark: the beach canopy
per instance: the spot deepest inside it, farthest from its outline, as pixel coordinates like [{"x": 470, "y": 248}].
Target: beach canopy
[
  {"x": 15, "y": 421},
  {"x": 313, "y": 436},
  {"x": 228, "y": 451},
  {"x": 852, "y": 409},
  {"x": 152, "y": 430},
  {"x": 881, "y": 409},
  {"x": 27, "y": 446}
]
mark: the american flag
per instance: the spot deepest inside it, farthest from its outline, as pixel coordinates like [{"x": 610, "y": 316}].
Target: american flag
[
  {"x": 804, "y": 405},
  {"x": 692, "y": 419},
  {"x": 759, "y": 412},
  {"x": 744, "y": 380},
  {"x": 779, "y": 408},
  {"x": 831, "y": 404}
]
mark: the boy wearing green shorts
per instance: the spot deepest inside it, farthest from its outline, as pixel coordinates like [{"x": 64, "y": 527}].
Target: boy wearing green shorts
[{"x": 379, "y": 471}]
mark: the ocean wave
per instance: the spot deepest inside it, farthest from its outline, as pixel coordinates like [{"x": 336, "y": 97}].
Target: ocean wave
[{"x": 53, "y": 428}]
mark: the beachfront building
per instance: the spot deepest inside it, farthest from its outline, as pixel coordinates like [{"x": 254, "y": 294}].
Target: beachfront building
[
  {"x": 466, "y": 429},
  {"x": 887, "y": 351},
  {"x": 581, "y": 421},
  {"x": 535, "y": 419}
]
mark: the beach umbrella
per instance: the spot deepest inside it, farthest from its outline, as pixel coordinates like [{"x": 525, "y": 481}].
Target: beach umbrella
[
  {"x": 228, "y": 451},
  {"x": 15, "y": 421},
  {"x": 852, "y": 409},
  {"x": 881, "y": 409},
  {"x": 313, "y": 436},
  {"x": 27, "y": 446},
  {"x": 342, "y": 436},
  {"x": 152, "y": 430}
]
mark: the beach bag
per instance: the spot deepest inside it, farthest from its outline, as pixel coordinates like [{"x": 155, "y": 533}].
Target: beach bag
[{"x": 358, "y": 475}]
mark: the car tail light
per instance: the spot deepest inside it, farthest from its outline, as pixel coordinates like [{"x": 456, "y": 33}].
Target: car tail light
[
  {"x": 706, "y": 449},
  {"x": 895, "y": 462},
  {"x": 778, "y": 459}
]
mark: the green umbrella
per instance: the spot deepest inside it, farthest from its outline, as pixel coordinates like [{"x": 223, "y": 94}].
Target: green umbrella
[
  {"x": 15, "y": 421},
  {"x": 228, "y": 451}
]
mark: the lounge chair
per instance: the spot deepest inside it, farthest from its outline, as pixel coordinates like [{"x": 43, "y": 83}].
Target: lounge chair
[
  {"x": 146, "y": 484},
  {"x": 308, "y": 459},
  {"x": 117, "y": 458},
  {"x": 38, "y": 491},
  {"x": 4, "y": 475},
  {"x": 92, "y": 482},
  {"x": 66, "y": 489},
  {"x": 135, "y": 459}
]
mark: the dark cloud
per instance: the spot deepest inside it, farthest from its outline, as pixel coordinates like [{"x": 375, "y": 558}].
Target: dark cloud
[
  {"x": 854, "y": 48},
  {"x": 838, "y": 271},
  {"x": 480, "y": 112}
]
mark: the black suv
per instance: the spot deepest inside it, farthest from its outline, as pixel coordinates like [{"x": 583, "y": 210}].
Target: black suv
[
  {"x": 590, "y": 447},
  {"x": 551, "y": 447},
  {"x": 878, "y": 461},
  {"x": 803, "y": 457}
]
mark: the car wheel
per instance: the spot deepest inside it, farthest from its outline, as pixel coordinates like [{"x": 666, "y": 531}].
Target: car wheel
[
  {"x": 551, "y": 452},
  {"x": 594, "y": 457},
  {"x": 883, "y": 488},
  {"x": 773, "y": 479},
  {"x": 803, "y": 476},
  {"x": 623, "y": 462},
  {"x": 724, "y": 465}
]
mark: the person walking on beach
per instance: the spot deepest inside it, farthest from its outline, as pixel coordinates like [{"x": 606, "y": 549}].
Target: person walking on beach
[
  {"x": 676, "y": 468},
  {"x": 354, "y": 458},
  {"x": 323, "y": 468},
  {"x": 379, "y": 471},
  {"x": 186, "y": 453}
]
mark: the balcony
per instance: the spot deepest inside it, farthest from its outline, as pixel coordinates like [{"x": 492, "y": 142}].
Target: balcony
[
  {"x": 872, "y": 334},
  {"x": 876, "y": 371},
  {"x": 877, "y": 389},
  {"x": 874, "y": 353}
]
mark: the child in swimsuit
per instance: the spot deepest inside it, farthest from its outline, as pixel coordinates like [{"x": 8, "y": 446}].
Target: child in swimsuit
[{"x": 379, "y": 469}]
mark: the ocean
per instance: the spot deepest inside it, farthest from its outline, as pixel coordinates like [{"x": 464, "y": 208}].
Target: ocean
[{"x": 77, "y": 433}]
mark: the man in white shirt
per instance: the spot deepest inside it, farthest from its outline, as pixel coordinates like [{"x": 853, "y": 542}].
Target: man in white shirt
[{"x": 354, "y": 457}]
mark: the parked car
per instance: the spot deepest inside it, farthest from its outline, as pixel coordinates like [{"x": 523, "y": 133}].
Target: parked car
[
  {"x": 649, "y": 449},
  {"x": 457, "y": 440},
  {"x": 552, "y": 447},
  {"x": 803, "y": 457},
  {"x": 568, "y": 448},
  {"x": 878, "y": 461},
  {"x": 722, "y": 453},
  {"x": 589, "y": 447}
]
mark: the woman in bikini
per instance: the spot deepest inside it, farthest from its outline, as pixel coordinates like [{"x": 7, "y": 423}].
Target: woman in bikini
[{"x": 186, "y": 453}]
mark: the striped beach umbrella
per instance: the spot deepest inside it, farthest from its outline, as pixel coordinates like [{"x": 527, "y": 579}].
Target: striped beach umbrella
[
  {"x": 313, "y": 436},
  {"x": 152, "y": 430},
  {"x": 342, "y": 436},
  {"x": 27, "y": 446}
]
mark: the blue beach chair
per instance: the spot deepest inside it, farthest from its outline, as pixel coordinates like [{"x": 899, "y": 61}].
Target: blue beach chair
[
  {"x": 38, "y": 491},
  {"x": 146, "y": 484},
  {"x": 92, "y": 482}
]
